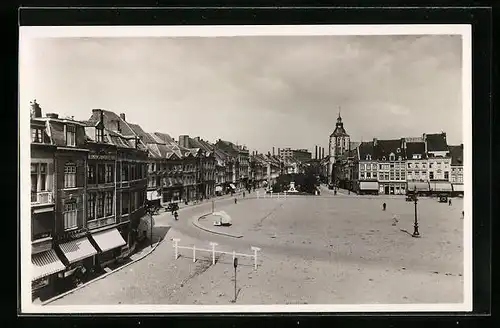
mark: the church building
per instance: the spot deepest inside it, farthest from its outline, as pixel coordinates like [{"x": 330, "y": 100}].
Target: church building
[{"x": 339, "y": 146}]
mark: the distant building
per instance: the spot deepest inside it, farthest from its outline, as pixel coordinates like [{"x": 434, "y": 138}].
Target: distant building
[
  {"x": 298, "y": 154},
  {"x": 339, "y": 144},
  {"x": 457, "y": 168},
  {"x": 439, "y": 162},
  {"x": 416, "y": 166}
]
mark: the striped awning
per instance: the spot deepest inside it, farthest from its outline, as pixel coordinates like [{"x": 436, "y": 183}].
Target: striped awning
[
  {"x": 441, "y": 186},
  {"x": 419, "y": 186},
  {"x": 78, "y": 249},
  {"x": 368, "y": 185},
  {"x": 45, "y": 264},
  {"x": 108, "y": 239},
  {"x": 458, "y": 187}
]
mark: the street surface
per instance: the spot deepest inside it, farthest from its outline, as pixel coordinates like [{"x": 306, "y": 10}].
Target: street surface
[{"x": 327, "y": 249}]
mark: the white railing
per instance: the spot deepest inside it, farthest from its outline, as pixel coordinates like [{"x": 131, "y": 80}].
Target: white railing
[
  {"x": 214, "y": 251},
  {"x": 39, "y": 198},
  {"x": 278, "y": 195}
]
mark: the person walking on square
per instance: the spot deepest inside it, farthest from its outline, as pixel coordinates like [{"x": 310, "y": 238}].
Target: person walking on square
[
  {"x": 449, "y": 202},
  {"x": 235, "y": 201},
  {"x": 176, "y": 215},
  {"x": 243, "y": 194},
  {"x": 394, "y": 220},
  {"x": 384, "y": 205}
]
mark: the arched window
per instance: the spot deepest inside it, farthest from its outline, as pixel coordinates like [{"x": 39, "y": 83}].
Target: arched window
[
  {"x": 391, "y": 157},
  {"x": 368, "y": 157}
]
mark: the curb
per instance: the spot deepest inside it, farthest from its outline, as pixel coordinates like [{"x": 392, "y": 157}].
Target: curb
[
  {"x": 199, "y": 226},
  {"x": 50, "y": 300}
]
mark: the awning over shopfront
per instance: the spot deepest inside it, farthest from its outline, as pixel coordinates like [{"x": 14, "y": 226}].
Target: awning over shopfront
[
  {"x": 77, "y": 250},
  {"x": 218, "y": 188},
  {"x": 458, "y": 187},
  {"x": 441, "y": 186},
  {"x": 420, "y": 186},
  {"x": 232, "y": 186},
  {"x": 45, "y": 264},
  {"x": 153, "y": 195},
  {"x": 368, "y": 185},
  {"x": 108, "y": 239}
]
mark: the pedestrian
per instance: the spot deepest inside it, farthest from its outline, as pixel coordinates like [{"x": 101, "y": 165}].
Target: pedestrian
[
  {"x": 176, "y": 215},
  {"x": 449, "y": 202},
  {"x": 463, "y": 214},
  {"x": 243, "y": 194},
  {"x": 394, "y": 220},
  {"x": 384, "y": 205},
  {"x": 235, "y": 201}
]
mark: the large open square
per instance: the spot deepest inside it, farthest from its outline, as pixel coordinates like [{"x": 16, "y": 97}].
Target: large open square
[{"x": 315, "y": 250}]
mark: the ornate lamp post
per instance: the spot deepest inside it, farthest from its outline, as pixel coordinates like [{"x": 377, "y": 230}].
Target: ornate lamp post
[{"x": 415, "y": 234}]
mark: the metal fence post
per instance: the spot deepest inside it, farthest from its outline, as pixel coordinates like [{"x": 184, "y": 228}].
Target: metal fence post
[
  {"x": 194, "y": 253},
  {"x": 213, "y": 252},
  {"x": 255, "y": 250},
  {"x": 176, "y": 242}
]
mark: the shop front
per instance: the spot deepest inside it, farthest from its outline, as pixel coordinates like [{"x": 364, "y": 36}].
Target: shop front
[
  {"x": 420, "y": 187},
  {"x": 440, "y": 187},
  {"x": 458, "y": 189},
  {"x": 109, "y": 244},
  {"x": 45, "y": 266},
  {"x": 79, "y": 257}
]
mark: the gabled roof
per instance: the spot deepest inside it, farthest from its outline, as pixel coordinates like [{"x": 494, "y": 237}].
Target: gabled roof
[
  {"x": 436, "y": 142},
  {"x": 415, "y": 148},
  {"x": 365, "y": 149},
  {"x": 384, "y": 148},
  {"x": 457, "y": 154}
]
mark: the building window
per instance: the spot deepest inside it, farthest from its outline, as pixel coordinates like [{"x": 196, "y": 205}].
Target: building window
[
  {"x": 446, "y": 175},
  {"x": 99, "y": 135},
  {"x": 70, "y": 175},
  {"x": 368, "y": 157},
  {"x": 374, "y": 174},
  {"x": 398, "y": 150},
  {"x": 133, "y": 202},
  {"x": 399, "y": 157},
  {"x": 391, "y": 157},
  {"x": 70, "y": 135},
  {"x": 125, "y": 172},
  {"x": 100, "y": 173},
  {"x": 36, "y": 135},
  {"x": 109, "y": 173},
  {"x": 431, "y": 175},
  {"x": 368, "y": 175},
  {"x": 100, "y": 205},
  {"x": 125, "y": 202},
  {"x": 70, "y": 215},
  {"x": 91, "y": 202},
  {"x": 91, "y": 174}
]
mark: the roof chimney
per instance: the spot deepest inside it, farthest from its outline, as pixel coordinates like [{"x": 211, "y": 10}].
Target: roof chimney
[
  {"x": 122, "y": 116},
  {"x": 52, "y": 115},
  {"x": 315, "y": 152},
  {"x": 273, "y": 151},
  {"x": 375, "y": 141},
  {"x": 36, "y": 110}
]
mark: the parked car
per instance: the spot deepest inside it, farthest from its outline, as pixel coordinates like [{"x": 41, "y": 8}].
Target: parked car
[{"x": 443, "y": 198}]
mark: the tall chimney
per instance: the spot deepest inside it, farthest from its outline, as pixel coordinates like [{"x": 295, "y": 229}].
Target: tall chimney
[
  {"x": 122, "y": 116},
  {"x": 273, "y": 151},
  {"x": 279, "y": 153},
  {"x": 375, "y": 141},
  {"x": 36, "y": 110},
  {"x": 322, "y": 152},
  {"x": 316, "y": 152}
]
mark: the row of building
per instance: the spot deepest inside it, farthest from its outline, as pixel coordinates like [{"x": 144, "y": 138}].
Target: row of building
[
  {"x": 90, "y": 182},
  {"x": 427, "y": 164}
]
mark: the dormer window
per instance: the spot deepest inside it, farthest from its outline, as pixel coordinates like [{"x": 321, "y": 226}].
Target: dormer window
[
  {"x": 99, "y": 135},
  {"x": 36, "y": 135},
  {"x": 70, "y": 135},
  {"x": 399, "y": 158},
  {"x": 383, "y": 158},
  {"x": 391, "y": 157},
  {"x": 368, "y": 157},
  {"x": 398, "y": 150}
]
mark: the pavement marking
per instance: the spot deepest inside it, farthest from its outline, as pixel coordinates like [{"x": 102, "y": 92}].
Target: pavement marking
[{"x": 199, "y": 226}]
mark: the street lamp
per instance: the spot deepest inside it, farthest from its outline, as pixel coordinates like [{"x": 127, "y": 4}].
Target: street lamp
[{"x": 415, "y": 234}]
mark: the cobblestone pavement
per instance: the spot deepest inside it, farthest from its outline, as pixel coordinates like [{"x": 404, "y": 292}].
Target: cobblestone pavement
[{"x": 314, "y": 250}]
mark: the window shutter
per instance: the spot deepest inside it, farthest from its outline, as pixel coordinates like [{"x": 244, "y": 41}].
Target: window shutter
[{"x": 80, "y": 173}]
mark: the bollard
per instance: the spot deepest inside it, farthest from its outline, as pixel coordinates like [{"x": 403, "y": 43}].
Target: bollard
[
  {"x": 176, "y": 242},
  {"x": 194, "y": 253},
  {"x": 278, "y": 195},
  {"x": 255, "y": 250},
  {"x": 257, "y": 195},
  {"x": 213, "y": 252},
  {"x": 234, "y": 255}
]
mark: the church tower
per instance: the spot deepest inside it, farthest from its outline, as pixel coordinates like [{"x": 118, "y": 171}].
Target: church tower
[{"x": 338, "y": 147}]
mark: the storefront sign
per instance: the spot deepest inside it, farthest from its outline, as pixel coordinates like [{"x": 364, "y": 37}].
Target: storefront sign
[{"x": 102, "y": 157}]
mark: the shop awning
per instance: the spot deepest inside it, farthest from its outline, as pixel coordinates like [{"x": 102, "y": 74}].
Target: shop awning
[
  {"x": 458, "y": 187},
  {"x": 77, "y": 250},
  {"x": 45, "y": 264},
  {"x": 154, "y": 194},
  {"x": 218, "y": 188},
  {"x": 109, "y": 239},
  {"x": 368, "y": 185},
  {"x": 420, "y": 186},
  {"x": 441, "y": 186},
  {"x": 232, "y": 186}
]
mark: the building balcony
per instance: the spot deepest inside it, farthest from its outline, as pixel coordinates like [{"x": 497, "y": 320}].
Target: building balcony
[{"x": 42, "y": 198}]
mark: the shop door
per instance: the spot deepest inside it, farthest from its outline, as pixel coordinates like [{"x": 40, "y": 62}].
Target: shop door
[{"x": 386, "y": 191}]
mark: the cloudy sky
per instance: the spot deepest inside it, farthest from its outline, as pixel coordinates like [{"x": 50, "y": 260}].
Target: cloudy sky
[{"x": 263, "y": 91}]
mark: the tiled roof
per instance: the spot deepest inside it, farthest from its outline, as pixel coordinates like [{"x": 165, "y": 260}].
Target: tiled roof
[
  {"x": 163, "y": 137},
  {"x": 457, "y": 154},
  {"x": 384, "y": 148},
  {"x": 413, "y": 148},
  {"x": 366, "y": 148},
  {"x": 138, "y": 131},
  {"x": 436, "y": 142}
]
